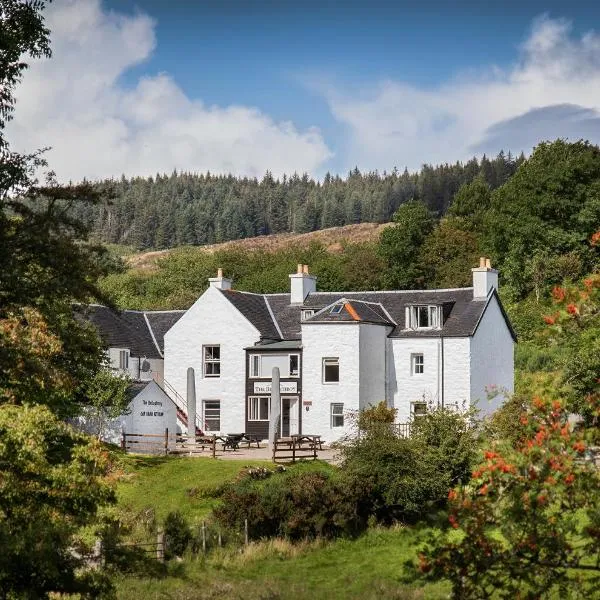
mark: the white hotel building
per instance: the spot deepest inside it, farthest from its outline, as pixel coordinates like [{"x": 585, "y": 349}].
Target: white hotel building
[{"x": 338, "y": 353}]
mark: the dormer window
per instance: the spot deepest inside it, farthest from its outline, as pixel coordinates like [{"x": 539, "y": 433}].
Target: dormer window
[
  {"x": 423, "y": 317},
  {"x": 307, "y": 314}
]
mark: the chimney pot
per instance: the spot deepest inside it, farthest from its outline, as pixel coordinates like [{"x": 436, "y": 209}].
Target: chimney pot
[
  {"x": 301, "y": 285},
  {"x": 220, "y": 282},
  {"x": 484, "y": 278}
]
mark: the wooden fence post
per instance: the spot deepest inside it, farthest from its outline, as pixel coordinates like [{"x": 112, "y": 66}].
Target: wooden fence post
[
  {"x": 123, "y": 440},
  {"x": 214, "y": 446},
  {"x": 246, "y": 531},
  {"x": 166, "y": 440},
  {"x": 160, "y": 546},
  {"x": 293, "y": 450},
  {"x": 203, "y": 537}
]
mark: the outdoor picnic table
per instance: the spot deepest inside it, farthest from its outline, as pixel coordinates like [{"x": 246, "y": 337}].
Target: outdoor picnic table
[
  {"x": 232, "y": 440},
  {"x": 313, "y": 441},
  {"x": 252, "y": 438}
]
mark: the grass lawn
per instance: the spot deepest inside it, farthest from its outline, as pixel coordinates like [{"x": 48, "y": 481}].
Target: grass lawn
[
  {"x": 369, "y": 567},
  {"x": 167, "y": 483}
]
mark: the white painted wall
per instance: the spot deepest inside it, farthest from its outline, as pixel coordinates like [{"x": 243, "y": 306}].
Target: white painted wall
[
  {"x": 405, "y": 387},
  {"x": 492, "y": 358},
  {"x": 134, "y": 371},
  {"x": 324, "y": 340},
  {"x": 150, "y": 412},
  {"x": 373, "y": 341},
  {"x": 457, "y": 359},
  {"x": 212, "y": 319}
]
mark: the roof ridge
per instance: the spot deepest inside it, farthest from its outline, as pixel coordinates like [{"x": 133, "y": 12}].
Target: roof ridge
[
  {"x": 395, "y": 291},
  {"x": 152, "y": 334},
  {"x": 243, "y": 292},
  {"x": 273, "y": 316}
]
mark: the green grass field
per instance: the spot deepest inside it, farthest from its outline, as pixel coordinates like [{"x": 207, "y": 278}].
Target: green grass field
[
  {"x": 167, "y": 483},
  {"x": 371, "y": 566}
]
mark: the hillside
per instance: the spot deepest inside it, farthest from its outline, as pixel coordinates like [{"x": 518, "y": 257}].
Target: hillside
[
  {"x": 181, "y": 209},
  {"x": 332, "y": 239}
]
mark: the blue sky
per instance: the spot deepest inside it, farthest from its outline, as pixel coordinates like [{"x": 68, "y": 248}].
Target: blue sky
[{"x": 243, "y": 86}]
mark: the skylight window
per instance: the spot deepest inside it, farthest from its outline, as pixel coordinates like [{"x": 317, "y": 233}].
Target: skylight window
[{"x": 337, "y": 309}]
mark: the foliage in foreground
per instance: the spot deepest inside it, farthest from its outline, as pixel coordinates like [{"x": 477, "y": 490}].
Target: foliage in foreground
[
  {"x": 529, "y": 520},
  {"x": 52, "y": 482}
]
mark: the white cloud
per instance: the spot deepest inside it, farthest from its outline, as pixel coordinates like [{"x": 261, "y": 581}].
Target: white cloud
[
  {"x": 399, "y": 124},
  {"x": 76, "y": 103}
]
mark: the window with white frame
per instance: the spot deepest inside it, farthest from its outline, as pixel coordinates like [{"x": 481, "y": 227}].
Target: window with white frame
[
  {"x": 331, "y": 370},
  {"x": 259, "y": 408},
  {"x": 255, "y": 365},
  {"x": 418, "y": 364},
  {"x": 336, "y": 309},
  {"x": 212, "y": 415},
  {"x": 294, "y": 365},
  {"x": 419, "y": 409},
  {"x": 337, "y": 414},
  {"x": 307, "y": 313},
  {"x": 423, "y": 317},
  {"x": 212, "y": 361},
  {"x": 124, "y": 360}
]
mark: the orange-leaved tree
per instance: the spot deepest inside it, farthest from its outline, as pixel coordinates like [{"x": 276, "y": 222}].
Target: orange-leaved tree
[{"x": 527, "y": 525}]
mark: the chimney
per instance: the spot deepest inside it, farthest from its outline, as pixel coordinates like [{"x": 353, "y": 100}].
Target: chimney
[
  {"x": 302, "y": 284},
  {"x": 484, "y": 278},
  {"x": 220, "y": 282}
]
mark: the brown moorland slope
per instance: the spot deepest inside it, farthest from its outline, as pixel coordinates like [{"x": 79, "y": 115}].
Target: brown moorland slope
[{"x": 332, "y": 239}]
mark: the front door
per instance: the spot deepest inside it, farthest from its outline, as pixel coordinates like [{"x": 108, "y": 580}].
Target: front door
[{"x": 290, "y": 418}]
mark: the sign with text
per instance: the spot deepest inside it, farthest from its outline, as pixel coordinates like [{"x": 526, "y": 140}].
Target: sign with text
[
  {"x": 285, "y": 387},
  {"x": 151, "y": 413}
]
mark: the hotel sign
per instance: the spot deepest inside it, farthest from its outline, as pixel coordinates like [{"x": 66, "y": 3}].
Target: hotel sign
[{"x": 285, "y": 387}]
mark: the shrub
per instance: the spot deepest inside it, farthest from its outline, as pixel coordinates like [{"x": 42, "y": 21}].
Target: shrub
[
  {"x": 406, "y": 478},
  {"x": 532, "y": 358},
  {"x": 177, "y": 534},
  {"x": 380, "y": 413},
  {"x": 293, "y": 504}
]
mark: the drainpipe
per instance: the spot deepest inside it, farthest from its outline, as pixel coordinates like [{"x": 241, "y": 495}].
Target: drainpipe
[{"x": 442, "y": 395}]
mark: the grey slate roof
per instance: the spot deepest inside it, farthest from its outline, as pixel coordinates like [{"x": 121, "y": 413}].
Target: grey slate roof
[
  {"x": 352, "y": 311},
  {"x": 136, "y": 330},
  {"x": 462, "y": 312},
  {"x": 254, "y": 307},
  {"x": 161, "y": 321}
]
